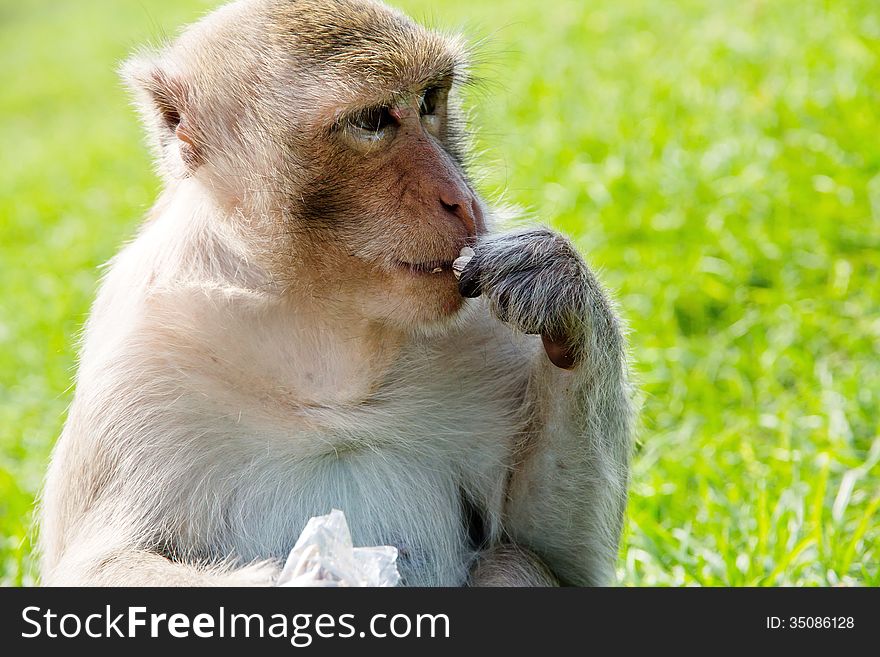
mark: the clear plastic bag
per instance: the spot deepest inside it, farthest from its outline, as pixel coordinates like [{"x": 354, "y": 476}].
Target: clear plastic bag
[{"x": 325, "y": 556}]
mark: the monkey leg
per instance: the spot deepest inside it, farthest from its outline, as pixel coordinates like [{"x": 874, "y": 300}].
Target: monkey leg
[{"x": 510, "y": 565}]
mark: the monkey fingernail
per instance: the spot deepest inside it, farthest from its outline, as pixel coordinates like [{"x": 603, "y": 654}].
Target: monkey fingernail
[{"x": 559, "y": 353}]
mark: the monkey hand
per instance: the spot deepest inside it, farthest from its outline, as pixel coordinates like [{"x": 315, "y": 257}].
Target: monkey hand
[{"x": 537, "y": 282}]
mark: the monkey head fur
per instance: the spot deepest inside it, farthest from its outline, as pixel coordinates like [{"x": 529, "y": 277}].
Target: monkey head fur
[{"x": 329, "y": 136}]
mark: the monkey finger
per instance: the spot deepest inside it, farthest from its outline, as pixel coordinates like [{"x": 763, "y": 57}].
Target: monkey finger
[
  {"x": 469, "y": 284},
  {"x": 467, "y": 272}
]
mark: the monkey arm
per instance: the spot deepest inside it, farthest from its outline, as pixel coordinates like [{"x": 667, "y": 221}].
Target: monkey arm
[
  {"x": 111, "y": 525},
  {"x": 567, "y": 492},
  {"x": 121, "y": 471},
  {"x": 101, "y": 556}
]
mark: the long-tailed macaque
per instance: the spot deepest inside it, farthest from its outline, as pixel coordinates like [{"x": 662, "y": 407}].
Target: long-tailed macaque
[{"x": 286, "y": 334}]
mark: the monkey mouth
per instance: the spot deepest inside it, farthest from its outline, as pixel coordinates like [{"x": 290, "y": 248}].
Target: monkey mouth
[{"x": 429, "y": 268}]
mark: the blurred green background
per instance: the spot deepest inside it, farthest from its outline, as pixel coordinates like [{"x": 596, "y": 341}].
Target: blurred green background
[{"x": 717, "y": 161}]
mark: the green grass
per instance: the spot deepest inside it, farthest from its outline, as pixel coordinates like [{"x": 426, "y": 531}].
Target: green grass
[{"x": 718, "y": 161}]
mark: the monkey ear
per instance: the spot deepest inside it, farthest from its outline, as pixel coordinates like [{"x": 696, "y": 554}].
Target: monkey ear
[{"x": 165, "y": 101}]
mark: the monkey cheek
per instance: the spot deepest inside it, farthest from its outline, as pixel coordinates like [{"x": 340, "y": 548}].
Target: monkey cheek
[{"x": 559, "y": 353}]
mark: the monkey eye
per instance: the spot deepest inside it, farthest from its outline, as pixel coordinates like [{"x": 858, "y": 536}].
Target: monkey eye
[
  {"x": 371, "y": 123},
  {"x": 429, "y": 101},
  {"x": 430, "y": 109}
]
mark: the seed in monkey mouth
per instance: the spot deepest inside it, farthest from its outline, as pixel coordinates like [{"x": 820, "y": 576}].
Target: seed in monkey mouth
[{"x": 459, "y": 264}]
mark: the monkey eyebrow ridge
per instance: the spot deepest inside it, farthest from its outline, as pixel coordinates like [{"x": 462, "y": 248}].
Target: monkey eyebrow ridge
[{"x": 347, "y": 112}]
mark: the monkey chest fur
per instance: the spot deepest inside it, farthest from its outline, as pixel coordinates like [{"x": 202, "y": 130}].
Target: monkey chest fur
[{"x": 410, "y": 465}]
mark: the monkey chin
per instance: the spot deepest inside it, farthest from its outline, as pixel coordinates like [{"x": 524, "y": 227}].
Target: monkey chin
[
  {"x": 434, "y": 301},
  {"x": 426, "y": 304}
]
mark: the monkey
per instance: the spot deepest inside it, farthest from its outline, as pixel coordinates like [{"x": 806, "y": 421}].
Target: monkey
[{"x": 286, "y": 334}]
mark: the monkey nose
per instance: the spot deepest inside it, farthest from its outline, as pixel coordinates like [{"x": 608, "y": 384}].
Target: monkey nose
[{"x": 463, "y": 205}]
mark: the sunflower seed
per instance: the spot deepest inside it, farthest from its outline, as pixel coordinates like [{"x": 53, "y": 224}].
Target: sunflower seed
[{"x": 464, "y": 257}]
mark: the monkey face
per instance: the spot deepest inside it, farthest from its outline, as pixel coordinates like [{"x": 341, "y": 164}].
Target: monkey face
[{"x": 390, "y": 196}]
